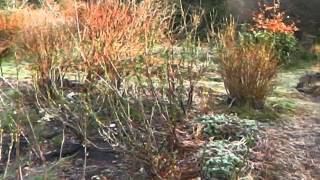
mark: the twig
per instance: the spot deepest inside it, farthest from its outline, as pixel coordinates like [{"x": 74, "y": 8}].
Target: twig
[
  {"x": 62, "y": 142},
  {"x": 1, "y": 141},
  {"x": 9, "y": 157}
]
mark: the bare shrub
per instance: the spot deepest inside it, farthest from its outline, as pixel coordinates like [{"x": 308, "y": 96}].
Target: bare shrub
[
  {"x": 42, "y": 37},
  {"x": 113, "y": 32},
  {"x": 116, "y": 41},
  {"x": 49, "y": 48}
]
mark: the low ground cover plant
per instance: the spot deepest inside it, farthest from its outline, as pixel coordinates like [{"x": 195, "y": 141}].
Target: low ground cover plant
[
  {"x": 224, "y": 159},
  {"x": 229, "y": 127},
  {"x": 225, "y": 156}
]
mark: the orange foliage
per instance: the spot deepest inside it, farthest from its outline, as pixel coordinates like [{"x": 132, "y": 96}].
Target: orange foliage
[
  {"x": 28, "y": 17},
  {"x": 109, "y": 33},
  {"x": 49, "y": 47},
  {"x": 113, "y": 32},
  {"x": 271, "y": 18},
  {"x": 10, "y": 22},
  {"x": 43, "y": 35}
]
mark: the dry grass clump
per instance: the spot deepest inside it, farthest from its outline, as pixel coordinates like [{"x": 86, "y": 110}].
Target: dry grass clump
[
  {"x": 105, "y": 35},
  {"x": 40, "y": 36},
  {"x": 247, "y": 68}
]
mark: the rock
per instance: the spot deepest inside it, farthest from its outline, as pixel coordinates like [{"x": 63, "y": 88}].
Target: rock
[
  {"x": 48, "y": 131},
  {"x": 2, "y": 167},
  {"x": 65, "y": 169},
  {"x": 74, "y": 177},
  {"x": 141, "y": 174},
  {"x": 96, "y": 177},
  {"x": 258, "y": 104},
  {"x": 107, "y": 172},
  {"x": 309, "y": 84},
  {"x": 107, "y": 155},
  {"x": 79, "y": 162},
  {"x": 92, "y": 170}
]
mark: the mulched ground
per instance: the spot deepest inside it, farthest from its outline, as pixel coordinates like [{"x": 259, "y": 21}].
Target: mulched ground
[{"x": 291, "y": 150}]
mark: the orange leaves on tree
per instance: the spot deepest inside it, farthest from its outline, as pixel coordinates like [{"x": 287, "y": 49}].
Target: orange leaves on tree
[{"x": 273, "y": 19}]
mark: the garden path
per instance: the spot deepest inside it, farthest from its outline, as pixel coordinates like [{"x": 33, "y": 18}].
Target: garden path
[{"x": 291, "y": 150}]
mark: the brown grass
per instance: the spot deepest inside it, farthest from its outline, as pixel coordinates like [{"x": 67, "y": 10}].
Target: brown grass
[{"x": 247, "y": 68}]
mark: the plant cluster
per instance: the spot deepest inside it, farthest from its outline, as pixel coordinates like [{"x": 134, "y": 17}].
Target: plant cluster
[
  {"x": 247, "y": 68},
  {"x": 225, "y": 155},
  {"x": 271, "y": 18},
  {"x": 270, "y": 24},
  {"x": 229, "y": 127},
  {"x": 50, "y": 51},
  {"x": 224, "y": 159},
  {"x": 9, "y": 23},
  {"x": 285, "y": 45},
  {"x": 113, "y": 33},
  {"x": 99, "y": 72},
  {"x": 16, "y": 20},
  {"x": 112, "y": 69}
]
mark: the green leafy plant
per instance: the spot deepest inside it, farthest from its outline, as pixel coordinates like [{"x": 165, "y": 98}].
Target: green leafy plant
[
  {"x": 285, "y": 45},
  {"x": 231, "y": 127},
  {"x": 224, "y": 159}
]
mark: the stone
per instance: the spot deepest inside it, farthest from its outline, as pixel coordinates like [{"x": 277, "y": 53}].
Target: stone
[
  {"x": 309, "y": 84},
  {"x": 79, "y": 162}
]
